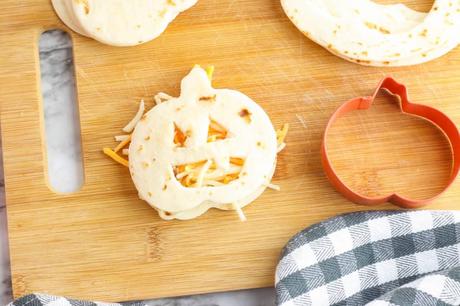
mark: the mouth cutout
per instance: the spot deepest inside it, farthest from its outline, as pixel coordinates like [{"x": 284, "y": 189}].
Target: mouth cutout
[
  {"x": 433, "y": 116},
  {"x": 208, "y": 174}
]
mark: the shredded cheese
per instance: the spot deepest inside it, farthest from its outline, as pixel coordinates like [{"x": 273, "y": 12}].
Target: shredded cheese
[
  {"x": 125, "y": 152},
  {"x": 181, "y": 175},
  {"x": 213, "y": 125},
  {"x": 273, "y": 186},
  {"x": 109, "y": 152},
  {"x": 203, "y": 171},
  {"x": 229, "y": 177},
  {"x": 130, "y": 126},
  {"x": 121, "y": 137},
  {"x": 179, "y": 136},
  {"x": 209, "y": 71},
  {"x": 188, "y": 181},
  {"x": 212, "y": 183},
  {"x": 216, "y": 131},
  {"x": 212, "y": 138},
  {"x": 198, "y": 174},
  {"x": 161, "y": 97},
  {"x": 237, "y": 161},
  {"x": 281, "y": 147},
  {"x": 122, "y": 144},
  {"x": 240, "y": 212},
  {"x": 281, "y": 134}
]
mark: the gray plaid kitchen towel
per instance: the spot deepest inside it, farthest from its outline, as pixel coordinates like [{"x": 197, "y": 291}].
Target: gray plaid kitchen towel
[
  {"x": 380, "y": 258},
  {"x": 51, "y": 300},
  {"x": 373, "y": 258}
]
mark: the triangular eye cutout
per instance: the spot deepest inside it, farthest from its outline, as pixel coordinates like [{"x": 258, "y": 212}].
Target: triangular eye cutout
[
  {"x": 216, "y": 131},
  {"x": 179, "y": 137}
]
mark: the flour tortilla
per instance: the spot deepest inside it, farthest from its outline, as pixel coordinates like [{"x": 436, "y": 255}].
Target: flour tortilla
[
  {"x": 373, "y": 34},
  {"x": 63, "y": 9},
  {"x": 152, "y": 152},
  {"x": 120, "y": 22}
]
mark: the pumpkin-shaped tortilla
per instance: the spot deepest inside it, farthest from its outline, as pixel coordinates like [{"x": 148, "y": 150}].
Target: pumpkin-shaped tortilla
[
  {"x": 120, "y": 22},
  {"x": 207, "y": 148},
  {"x": 369, "y": 33}
]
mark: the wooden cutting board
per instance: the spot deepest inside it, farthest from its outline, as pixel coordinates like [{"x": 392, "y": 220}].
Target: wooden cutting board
[{"x": 103, "y": 243}]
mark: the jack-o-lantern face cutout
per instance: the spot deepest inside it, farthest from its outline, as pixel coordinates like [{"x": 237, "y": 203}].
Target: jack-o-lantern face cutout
[{"x": 207, "y": 148}]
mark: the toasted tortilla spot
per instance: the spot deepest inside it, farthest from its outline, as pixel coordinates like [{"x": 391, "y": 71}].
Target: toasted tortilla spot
[
  {"x": 208, "y": 98},
  {"x": 245, "y": 114},
  {"x": 85, "y": 5}
]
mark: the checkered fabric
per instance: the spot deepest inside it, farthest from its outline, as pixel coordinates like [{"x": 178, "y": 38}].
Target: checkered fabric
[
  {"x": 50, "y": 300},
  {"x": 441, "y": 288},
  {"x": 381, "y": 258}
]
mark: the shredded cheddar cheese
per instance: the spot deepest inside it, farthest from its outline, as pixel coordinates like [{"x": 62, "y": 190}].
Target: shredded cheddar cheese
[
  {"x": 122, "y": 144},
  {"x": 203, "y": 171},
  {"x": 237, "y": 161},
  {"x": 216, "y": 131},
  {"x": 130, "y": 126},
  {"x": 109, "y": 152},
  {"x": 273, "y": 186},
  {"x": 179, "y": 136},
  {"x": 239, "y": 211},
  {"x": 121, "y": 137},
  {"x": 200, "y": 173},
  {"x": 281, "y": 133},
  {"x": 229, "y": 177},
  {"x": 209, "y": 72},
  {"x": 281, "y": 147},
  {"x": 212, "y": 183},
  {"x": 213, "y": 125}
]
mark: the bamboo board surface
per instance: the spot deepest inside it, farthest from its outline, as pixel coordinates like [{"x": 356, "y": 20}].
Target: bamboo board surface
[{"x": 103, "y": 243}]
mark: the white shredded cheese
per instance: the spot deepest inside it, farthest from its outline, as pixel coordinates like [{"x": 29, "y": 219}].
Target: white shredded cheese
[
  {"x": 120, "y": 138},
  {"x": 181, "y": 175},
  {"x": 125, "y": 152},
  {"x": 203, "y": 171},
  {"x": 130, "y": 126},
  {"x": 281, "y": 147},
  {"x": 240, "y": 212},
  {"x": 273, "y": 186},
  {"x": 219, "y": 173},
  {"x": 212, "y": 183}
]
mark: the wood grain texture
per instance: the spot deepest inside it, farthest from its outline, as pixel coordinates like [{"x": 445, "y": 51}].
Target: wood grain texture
[{"x": 104, "y": 243}]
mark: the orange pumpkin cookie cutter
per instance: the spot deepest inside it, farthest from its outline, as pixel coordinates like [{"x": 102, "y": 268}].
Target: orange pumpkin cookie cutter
[{"x": 434, "y": 116}]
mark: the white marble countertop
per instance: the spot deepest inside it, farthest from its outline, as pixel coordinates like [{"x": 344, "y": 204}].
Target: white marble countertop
[{"x": 56, "y": 86}]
